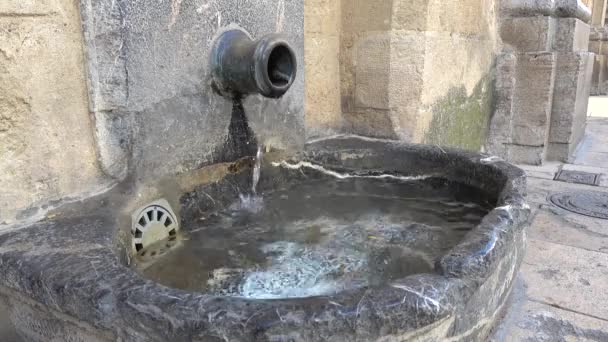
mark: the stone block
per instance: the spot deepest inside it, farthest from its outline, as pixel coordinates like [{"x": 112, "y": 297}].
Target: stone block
[
  {"x": 322, "y": 70},
  {"x": 595, "y": 46},
  {"x": 407, "y": 66},
  {"x": 455, "y": 16},
  {"x": 597, "y": 74},
  {"x": 409, "y": 15},
  {"x": 533, "y": 98},
  {"x": 529, "y": 34},
  {"x": 504, "y": 88},
  {"x": 603, "y": 77},
  {"x": 571, "y": 35},
  {"x": 371, "y": 15},
  {"x": 47, "y": 149},
  {"x": 555, "y": 8},
  {"x": 599, "y": 12},
  {"x": 373, "y": 71},
  {"x": 570, "y": 101},
  {"x": 322, "y": 17},
  {"x": 530, "y": 155},
  {"x": 29, "y": 7}
]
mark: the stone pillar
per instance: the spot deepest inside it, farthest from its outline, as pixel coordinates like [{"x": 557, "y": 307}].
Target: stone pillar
[
  {"x": 519, "y": 129},
  {"x": 322, "y": 66},
  {"x": 543, "y": 78},
  {"x": 599, "y": 13},
  {"x": 598, "y": 44},
  {"x": 572, "y": 86}
]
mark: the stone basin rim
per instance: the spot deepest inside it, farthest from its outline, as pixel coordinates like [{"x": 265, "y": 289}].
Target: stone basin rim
[{"x": 434, "y": 296}]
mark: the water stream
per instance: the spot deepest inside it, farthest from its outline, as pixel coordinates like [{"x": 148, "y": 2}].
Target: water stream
[{"x": 257, "y": 169}]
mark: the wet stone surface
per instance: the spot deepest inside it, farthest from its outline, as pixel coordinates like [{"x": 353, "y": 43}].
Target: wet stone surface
[{"x": 320, "y": 238}]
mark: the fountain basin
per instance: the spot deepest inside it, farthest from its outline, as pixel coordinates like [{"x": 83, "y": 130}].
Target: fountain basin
[{"x": 72, "y": 274}]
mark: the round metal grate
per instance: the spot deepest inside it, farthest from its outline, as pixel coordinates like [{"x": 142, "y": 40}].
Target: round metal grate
[
  {"x": 588, "y": 203},
  {"x": 153, "y": 225}
]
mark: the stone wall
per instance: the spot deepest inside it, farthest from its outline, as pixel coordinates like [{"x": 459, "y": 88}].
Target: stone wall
[
  {"x": 149, "y": 82},
  {"x": 417, "y": 71},
  {"x": 47, "y": 151},
  {"x": 322, "y": 29}
]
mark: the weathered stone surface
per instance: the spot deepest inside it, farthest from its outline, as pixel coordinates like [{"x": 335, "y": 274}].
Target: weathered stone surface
[
  {"x": 531, "y": 155},
  {"x": 420, "y": 71},
  {"x": 599, "y": 8},
  {"x": 529, "y": 34},
  {"x": 47, "y": 151},
  {"x": 600, "y": 75},
  {"x": 532, "y": 321},
  {"x": 504, "y": 88},
  {"x": 571, "y": 96},
  {"x": 524, "y": 91},
  {"x": 557, "y": 8},
  {"x": 570, "y": 102},
  {"x": 533, "y": 98},
  {"x": 562, "y": 269},
  {"x": 174, "y": 120},
  {"x": 556, "y": 225},
  {"x": 372, "y": 73},
  {"x": 322, "y": 69},
  {"x": 571, "y": 35},
  {"x": 546, "y": 171}
]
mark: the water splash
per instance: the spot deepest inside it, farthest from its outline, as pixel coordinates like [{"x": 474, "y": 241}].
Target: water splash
[{"x": 253, "y": 202}]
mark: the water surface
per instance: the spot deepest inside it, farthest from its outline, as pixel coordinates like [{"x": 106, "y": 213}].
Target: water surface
[{"x": 320, "y": 238}]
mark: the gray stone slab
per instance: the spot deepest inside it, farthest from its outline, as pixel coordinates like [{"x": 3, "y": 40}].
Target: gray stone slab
[
  {"x": 533, "y": 321},
  {"x": 567, "y": 277},
  {"x": 554, "y": 225},
  {"x": 540, "y": 189}
]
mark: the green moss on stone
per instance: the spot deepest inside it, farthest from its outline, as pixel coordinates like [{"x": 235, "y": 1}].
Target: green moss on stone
[{"x": 460, "y": 120}]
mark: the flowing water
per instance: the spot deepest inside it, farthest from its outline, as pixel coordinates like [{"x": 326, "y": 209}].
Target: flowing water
[
  {"x": 257, "y": 169},
  {"x": 322, "y": 237}
]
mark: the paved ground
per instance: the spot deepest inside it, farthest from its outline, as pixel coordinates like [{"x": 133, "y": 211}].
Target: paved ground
[{"x": 562, "y": 290}]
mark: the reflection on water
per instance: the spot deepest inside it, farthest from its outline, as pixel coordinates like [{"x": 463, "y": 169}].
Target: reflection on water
[{"x": 320, "y": 238}]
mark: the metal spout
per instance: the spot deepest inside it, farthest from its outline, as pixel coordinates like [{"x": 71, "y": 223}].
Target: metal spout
[{"x": 241, "y": 66}]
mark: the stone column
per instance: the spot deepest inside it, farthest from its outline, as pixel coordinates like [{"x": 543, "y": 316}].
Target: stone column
[
  {"x": 572, "y": 87},
  {"x": 322, "y": 66},
  {"x": 524, "y": 89},
  {"x": 598, "y": 44},
  {"x": 542, "y": 81},
  {"x": 599, "y": 13}
]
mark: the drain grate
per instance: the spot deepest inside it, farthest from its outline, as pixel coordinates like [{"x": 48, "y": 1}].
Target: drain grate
[
  {"x": 152, "y": 225},
  {"x": 588, "y": 203},
  {"x": 578, "y": 177}
]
